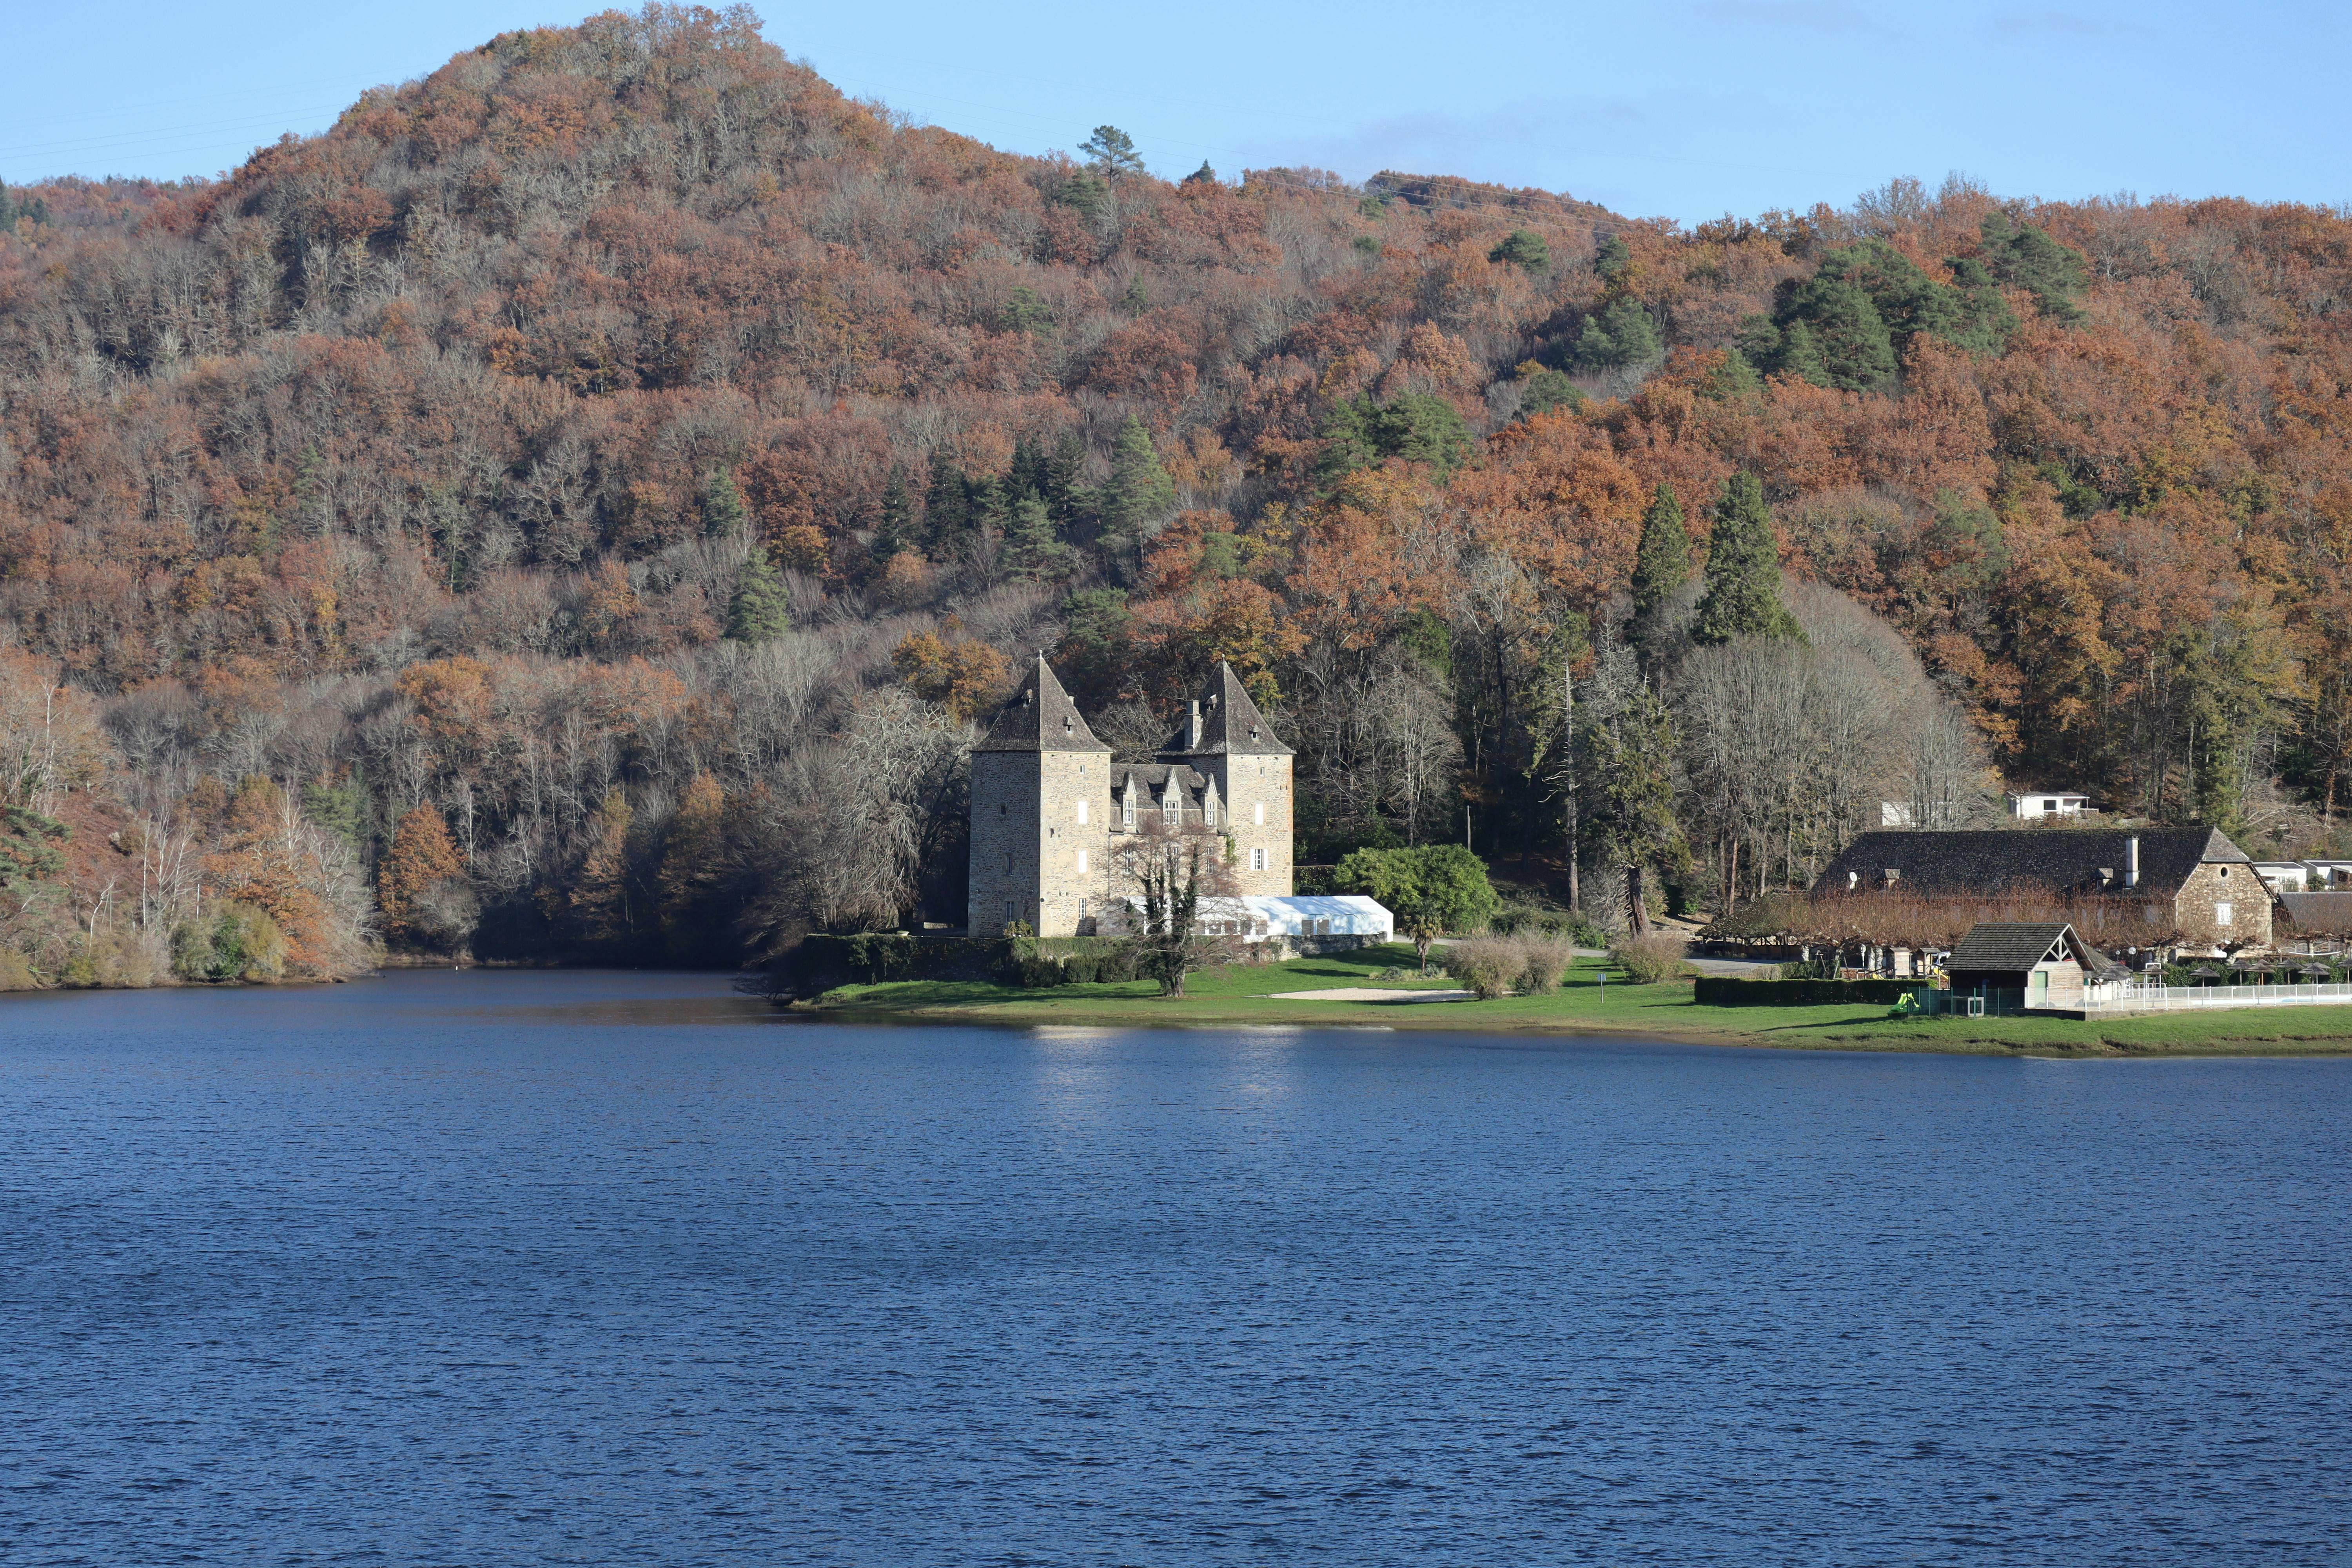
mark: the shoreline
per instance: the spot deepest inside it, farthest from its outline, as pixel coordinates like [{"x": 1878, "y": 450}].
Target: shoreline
[
  {"x": 1834, "y": 1038},
  {"x": 1245, "y": 996}
]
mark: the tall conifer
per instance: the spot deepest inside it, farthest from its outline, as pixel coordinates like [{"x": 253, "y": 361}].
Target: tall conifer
[
  {"x": 760, "y": 609},
  {"x": 1743, "y": 570}
]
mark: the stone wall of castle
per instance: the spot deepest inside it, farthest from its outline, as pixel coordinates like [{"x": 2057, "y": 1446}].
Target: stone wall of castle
[{"x": 1005, "y": 839}]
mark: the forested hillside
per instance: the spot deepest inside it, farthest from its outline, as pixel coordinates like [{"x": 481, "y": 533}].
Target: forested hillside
[{"x": 584, "y": 496}]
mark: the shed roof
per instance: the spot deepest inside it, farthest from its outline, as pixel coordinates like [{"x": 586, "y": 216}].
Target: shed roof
[
  {"x": 2319, "y": 914},
  {"x": 1977, "y": 860},
  {"x": 2007, "y": 946}
]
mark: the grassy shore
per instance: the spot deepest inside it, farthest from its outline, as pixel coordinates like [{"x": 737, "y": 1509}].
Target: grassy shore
[{"x": 1243, "y": 996}]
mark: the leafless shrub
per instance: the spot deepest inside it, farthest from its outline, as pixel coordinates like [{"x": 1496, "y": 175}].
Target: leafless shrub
[{"x": 1647, "y": 960}]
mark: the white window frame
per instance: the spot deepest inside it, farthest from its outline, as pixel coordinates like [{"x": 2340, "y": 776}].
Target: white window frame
[
  {"x": 1082, "y": 862},
  {"x": 1257, "y": 860},
  {"x": 1082, "y": 811},
  {"x": 2221, "y": 914},
  {"x": 1258, "y": 812}
]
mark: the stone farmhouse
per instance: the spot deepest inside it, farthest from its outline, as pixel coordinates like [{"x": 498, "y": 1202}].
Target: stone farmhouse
[
  {"x": 1049, "y": 807},
  {"x": 2188, "y": 881}
]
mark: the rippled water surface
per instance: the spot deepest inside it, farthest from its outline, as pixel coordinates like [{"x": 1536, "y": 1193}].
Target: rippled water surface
[{"x": 592, "y": 1268}]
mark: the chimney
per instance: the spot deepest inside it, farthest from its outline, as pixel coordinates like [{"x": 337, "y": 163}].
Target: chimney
[{"x": 2131, "y": 861}]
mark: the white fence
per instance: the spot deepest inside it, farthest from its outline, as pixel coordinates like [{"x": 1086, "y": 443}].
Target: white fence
[{"x": 2136, "y": 997}]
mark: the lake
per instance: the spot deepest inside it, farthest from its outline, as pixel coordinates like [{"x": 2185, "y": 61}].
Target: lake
[{"x": 522, "y": 1268}]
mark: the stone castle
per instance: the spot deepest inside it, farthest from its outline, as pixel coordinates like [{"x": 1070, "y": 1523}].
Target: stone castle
[{"x": 1049, "y": 807}]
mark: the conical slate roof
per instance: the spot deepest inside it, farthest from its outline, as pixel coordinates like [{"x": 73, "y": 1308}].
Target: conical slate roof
[
  {"x": 1223, "y": 721},
  {"x": 1040, "y": 717}
]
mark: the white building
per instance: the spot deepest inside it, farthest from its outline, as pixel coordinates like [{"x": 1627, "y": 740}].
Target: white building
[
  {"x": 2048, "y": 803},
  {"x": 1310, "y": 923},
  {"x": 2284, "y": 876}
]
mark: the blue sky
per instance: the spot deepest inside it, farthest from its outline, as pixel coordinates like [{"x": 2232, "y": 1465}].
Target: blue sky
[{"x": 1686, "y": 110}]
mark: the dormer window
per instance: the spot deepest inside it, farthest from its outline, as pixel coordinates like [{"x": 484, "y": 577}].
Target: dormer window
[{"x": 1127, "y": 807}]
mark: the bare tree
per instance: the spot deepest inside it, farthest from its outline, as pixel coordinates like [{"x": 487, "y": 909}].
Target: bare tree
[{"x": 1178, "y": 876}]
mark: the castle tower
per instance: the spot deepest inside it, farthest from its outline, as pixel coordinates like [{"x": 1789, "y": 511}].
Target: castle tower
[
  {"x": 1040, "y": 829},
  {"x": 1228, "y": 741}
]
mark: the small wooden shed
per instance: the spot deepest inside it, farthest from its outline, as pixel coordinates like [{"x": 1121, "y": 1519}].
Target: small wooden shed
[{"x": 2043, "y": 960}]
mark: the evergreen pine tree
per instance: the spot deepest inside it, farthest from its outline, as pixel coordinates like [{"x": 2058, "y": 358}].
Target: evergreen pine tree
[
  {"x": 1799, "y": 355},
  {"x": 1027, "y": 476},
  {"x": 1619, "y": 333},
  {"x": 1523, "y": 248},
  {"x": 1743, "y": 570},
  {"x": 1138, "y": 495},
  {"x": 1856, "y": 350},
  {"x": 896, "y": 531},
  {"x": 947, "y": 508},
  {"x": 2024, "y": 256},
  {"x": 1661, "y": 564},
  {"x": 1111, "y": 151},
  {"x": 1032, "y": 549},
  {"x": 1203, "y": 175},
  {"x": 1066, "y": 478},
  {"x": 1632, "y": 765},
  {"x": 759, "y": 608},
  {"x": 724, "y": 515},
  {"x": 1613, "y": 258}
]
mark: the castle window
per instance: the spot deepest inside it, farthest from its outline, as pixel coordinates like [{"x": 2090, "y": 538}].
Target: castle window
[
  {"x": 1082, "y": 813},
  {"x": 1008, "y": 862},
  {"x": 1207, "y": 811},
  {"x": 1259, "y": 813},
  {"x": 1127, "y": 807},
  {"x": 1082, "y": 862},
  {"x": 2220, "y": 914},
  {"x": 1168, "y": 806},
  {"x": 1257, "y": 860}
]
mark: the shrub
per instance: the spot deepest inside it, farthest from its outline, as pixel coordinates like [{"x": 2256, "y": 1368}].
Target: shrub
[
  {"x": 1646, "y": 959},
  {"x": 1486, "y": 965},
  {"x": 227, "y": 941},
  {"x": 1542, "y": 961}
]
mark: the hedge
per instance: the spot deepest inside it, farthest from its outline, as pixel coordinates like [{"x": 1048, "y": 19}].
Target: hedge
[{"x": 1716, "y": 991}]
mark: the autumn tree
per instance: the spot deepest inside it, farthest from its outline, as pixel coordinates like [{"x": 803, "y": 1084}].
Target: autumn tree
[
  {"x": 421, "y": 858},
  {"x": 962, "y": 677},
  {"x": 601, "y": 901}
]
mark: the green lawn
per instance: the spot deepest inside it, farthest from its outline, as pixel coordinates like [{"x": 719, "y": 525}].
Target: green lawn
[{"x": 1240, "y": 995}]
